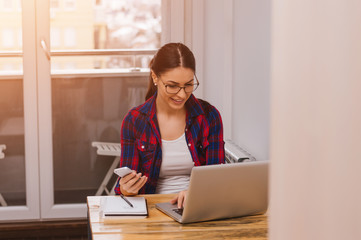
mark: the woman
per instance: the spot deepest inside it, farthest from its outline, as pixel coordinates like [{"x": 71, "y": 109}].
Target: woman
[{"x": 162, "y": 139}]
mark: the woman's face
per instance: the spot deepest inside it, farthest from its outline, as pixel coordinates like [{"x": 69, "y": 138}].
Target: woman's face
[{"x": 168, "y": 84}]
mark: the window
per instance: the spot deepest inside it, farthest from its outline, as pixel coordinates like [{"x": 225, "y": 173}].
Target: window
[
  {"x": 69, "y": 5},
  {"x": 70, "y": 65},
  {"x": 8, "y": 66},
  {"x": 69, "y": 37},
  {"x": 54, "y": 7},
  {"x": 19, "y": 5},
  {"x": 20, "y": 38},
  {"x": 88, "y": 101},
  {"x": 7, "y": 5},
  {"x": 55, "y": 37},
  {"x": 110, "y": 24},
  {"x": 54, "y": 4},
  {"x": 55, "y": 66},
  {"x": 8, "y": 38}
]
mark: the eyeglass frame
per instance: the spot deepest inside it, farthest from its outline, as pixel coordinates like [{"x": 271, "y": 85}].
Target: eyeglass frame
[{"x": 180, "y": 88}]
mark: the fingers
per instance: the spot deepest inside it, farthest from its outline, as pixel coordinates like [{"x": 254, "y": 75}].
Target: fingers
[
  {"x": 132, "y": 182},
  {"x": 174, "y": 200},
  {"x": 179, "y": 199},
  {"x": 184, "y": 200},
  {"x": 127, "y": 177},
  {"x": 135, "y": 179},
  {"x": 138, "y": 185}
]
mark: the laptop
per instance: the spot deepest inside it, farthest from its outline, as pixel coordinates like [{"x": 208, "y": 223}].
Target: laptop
[{"x": 223, "y": 191}]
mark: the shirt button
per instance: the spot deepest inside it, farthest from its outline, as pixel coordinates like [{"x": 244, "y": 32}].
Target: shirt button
[
  {"x": 189, "y": 144},
  {"x": 186, "y": 129}
]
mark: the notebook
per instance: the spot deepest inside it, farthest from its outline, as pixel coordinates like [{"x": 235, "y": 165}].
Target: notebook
[
  {"x": 115, "y": 206},
  {"x": 223, "y": 191}
]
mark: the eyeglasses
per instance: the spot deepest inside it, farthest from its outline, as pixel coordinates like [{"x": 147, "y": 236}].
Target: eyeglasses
[{"x": 174, "y": 89}]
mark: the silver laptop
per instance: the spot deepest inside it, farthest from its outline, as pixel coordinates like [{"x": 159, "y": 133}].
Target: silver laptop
[{"x": 223, "y": 191}]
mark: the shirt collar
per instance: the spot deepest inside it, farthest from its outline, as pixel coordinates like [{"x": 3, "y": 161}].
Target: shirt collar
[
  {"x": 149, "y": 108},
  {"x": 193, "y": 107}
]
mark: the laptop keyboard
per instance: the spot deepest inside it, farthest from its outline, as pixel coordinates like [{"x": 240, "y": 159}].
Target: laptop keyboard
[{"x": 178, "y": 210}]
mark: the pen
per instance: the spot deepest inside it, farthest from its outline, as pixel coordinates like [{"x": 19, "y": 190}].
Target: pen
[{"x": 122, "y": 196}]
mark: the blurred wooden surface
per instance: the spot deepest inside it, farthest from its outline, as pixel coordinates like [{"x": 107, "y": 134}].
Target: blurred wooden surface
[
  {"x": 74, "y": 229},
  {"x": 160, "y": 226}
]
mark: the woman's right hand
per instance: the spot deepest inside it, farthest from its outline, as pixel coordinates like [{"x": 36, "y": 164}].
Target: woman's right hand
[{"x": 132, "y": 183}]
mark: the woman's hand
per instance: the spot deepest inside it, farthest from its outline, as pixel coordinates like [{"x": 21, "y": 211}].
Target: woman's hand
[
  {"x": 180, "y": 199},
  {"x": 132, "y": 183}
]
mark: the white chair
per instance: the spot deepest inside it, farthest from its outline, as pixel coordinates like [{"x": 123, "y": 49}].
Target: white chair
[
  {"x": 108, "y": 149},
  {"x": 2, "y": 155}
]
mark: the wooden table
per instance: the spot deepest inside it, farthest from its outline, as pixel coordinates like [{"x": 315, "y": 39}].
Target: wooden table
[{"x": 160, "y": 226}]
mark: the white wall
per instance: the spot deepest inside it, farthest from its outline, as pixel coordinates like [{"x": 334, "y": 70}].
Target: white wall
[
  {"x": 316, "y": 114},
  {"x": 316, "y": 120},
  {"x": 213, "y": 50},
  {"x": 251, "y": 83},
  {"x": 236, "y": 69}
]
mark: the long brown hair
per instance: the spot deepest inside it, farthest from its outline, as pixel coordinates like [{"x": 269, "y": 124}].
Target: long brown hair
[{"x": 168, "y": 57}]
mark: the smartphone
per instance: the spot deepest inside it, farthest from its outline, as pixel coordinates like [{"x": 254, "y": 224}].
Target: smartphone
[{"x": 121, "y": 172}]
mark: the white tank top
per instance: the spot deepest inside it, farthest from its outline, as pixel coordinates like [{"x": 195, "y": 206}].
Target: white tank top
[{"x": 177, "y": 164}]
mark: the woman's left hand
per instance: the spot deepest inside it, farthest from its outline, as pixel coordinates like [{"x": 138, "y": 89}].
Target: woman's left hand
[{"x": 180, "y": 199}]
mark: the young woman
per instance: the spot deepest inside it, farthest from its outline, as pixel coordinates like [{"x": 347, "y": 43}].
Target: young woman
[{"x": 162, "y": 139}]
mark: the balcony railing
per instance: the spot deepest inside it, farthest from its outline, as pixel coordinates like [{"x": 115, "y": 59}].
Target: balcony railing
[
  {"x": 87, "y": 52},
  {"x": 11, "y": 54},
  {"x": 105, "y": 72}
]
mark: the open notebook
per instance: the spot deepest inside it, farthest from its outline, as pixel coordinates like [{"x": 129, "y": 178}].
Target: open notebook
[{"x": 115, "y": 206}]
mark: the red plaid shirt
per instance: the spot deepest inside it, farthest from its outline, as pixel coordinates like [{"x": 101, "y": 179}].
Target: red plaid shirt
[{"x": 141, "y": 141}]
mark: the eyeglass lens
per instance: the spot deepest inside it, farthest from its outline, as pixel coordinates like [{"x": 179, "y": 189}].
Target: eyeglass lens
[{"x": 175, "y": 89}]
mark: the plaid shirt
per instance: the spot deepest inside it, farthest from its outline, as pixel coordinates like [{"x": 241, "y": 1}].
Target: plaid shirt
[{"x": 141, "y": 144}]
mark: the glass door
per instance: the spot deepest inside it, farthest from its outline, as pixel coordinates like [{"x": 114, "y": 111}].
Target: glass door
[
  {"x": 69, "y": 72},
  {"x": 19, "y": 175},
  {"x": 94, "y": 67}
]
